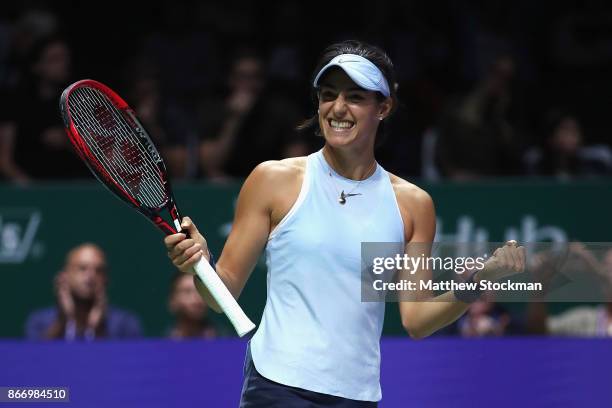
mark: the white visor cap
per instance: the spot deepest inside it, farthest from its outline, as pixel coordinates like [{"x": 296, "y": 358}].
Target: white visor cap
[{"x": 361, "y": 70}]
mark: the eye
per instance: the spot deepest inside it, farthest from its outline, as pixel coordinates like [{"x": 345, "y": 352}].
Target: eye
[
  {"x": 356, "y": 97},
  {"x": 327, "y": 95}
]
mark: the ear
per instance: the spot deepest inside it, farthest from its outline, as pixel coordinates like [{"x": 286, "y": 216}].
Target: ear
[{"x": 385, "y": 108}]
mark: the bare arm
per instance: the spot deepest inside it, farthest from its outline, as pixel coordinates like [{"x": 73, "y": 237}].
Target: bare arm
[
  {"x": 422, "y": 318},
  {"x": 250, "y": 230},
  {"x": 427, "y": 314}
]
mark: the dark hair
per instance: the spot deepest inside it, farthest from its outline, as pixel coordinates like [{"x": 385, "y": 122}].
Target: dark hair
[{"x": 375, "y": 55}]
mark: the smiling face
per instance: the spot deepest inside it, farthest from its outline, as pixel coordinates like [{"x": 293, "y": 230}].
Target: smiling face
[{"x": 348, "y": 114}]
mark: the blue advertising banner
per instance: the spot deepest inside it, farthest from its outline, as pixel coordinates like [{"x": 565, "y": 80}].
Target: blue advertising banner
[{"x": 527, "y": 372}]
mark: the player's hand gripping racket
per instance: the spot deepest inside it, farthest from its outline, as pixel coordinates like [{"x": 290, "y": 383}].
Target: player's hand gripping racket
[{"x": 111, "y": 141}]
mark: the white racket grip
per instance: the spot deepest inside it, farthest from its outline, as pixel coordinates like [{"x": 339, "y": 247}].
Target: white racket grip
[{"x": 223, "y": 297}]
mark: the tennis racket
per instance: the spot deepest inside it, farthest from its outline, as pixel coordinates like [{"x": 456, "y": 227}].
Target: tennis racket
[{"x": 115, "y": 146}]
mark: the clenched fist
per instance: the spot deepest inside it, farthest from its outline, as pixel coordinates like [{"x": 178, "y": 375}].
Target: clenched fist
[
  {"x": 185, "y": 250},
  {"x": 505, "y": 261}
]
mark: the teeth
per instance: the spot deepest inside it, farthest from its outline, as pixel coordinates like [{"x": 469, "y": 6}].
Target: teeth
[{"x": 344, "y": 124}]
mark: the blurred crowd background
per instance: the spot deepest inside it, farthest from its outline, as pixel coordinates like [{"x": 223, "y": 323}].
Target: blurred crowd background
[
  {"x": 488, "y": 89},
  {"x": 82, "y": 310}
]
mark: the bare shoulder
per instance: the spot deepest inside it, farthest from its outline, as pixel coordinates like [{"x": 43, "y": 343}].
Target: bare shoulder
[
  {"x": 280, "y": 171},
  {"x": 296, "y": 164},
  {"x": 408, "y": 193},
  {"x": 275, "y": 185},
  {"x": 416, "y": 207}
]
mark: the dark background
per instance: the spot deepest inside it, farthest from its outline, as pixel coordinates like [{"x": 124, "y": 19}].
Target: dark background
[{"x": 561, "y": 53}]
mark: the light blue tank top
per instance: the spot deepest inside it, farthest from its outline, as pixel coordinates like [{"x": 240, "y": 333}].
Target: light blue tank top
[{"x": 315, "y": 332}]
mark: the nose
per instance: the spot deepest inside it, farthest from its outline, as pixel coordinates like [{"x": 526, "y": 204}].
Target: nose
[
  {"x": 89, "y": 273},
  {"x": 339, "y": 107}
]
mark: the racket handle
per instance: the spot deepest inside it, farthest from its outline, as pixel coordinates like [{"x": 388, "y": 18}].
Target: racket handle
[{"x": 223, "y": 297}]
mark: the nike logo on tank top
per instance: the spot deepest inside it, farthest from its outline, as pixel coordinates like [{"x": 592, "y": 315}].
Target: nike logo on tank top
[{"x": 315, "y": 332}]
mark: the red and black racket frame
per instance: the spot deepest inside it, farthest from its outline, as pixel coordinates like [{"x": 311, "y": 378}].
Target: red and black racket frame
[{"x": 83, "y": 150}]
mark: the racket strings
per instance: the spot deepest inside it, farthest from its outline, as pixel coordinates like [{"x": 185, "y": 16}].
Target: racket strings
[
  {"x": 125, "y": 158},
  {"x": 117, "y": 147},
  {"x": 124, "y": 151}
]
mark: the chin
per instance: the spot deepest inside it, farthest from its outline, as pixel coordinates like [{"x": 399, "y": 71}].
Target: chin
[
  {"x": 337, "y": 139},
  {"x": 338, "y": 143},
  {"x": 84, "y": 296}
]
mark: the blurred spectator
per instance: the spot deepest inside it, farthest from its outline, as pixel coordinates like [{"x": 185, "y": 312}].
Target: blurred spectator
[
  {"x": 248, "y": 125},
  {"x": 185, "y": 57},
  {"x": 478, "y": 136},
  {"x": 484, "y": 319},
  {"x": 82, "y": 311},
  {"x": 17, "y": 40},
  {"x": 564, "y": 155},
  {"x": 183, "y": 51},
  {"x": 582, "y": 321},
  {"x": 162, "y": 121},
  {"x": 578, "y": 54},
  {"x": 189, "y": 309},
  {"x": 33, "y": 143}
]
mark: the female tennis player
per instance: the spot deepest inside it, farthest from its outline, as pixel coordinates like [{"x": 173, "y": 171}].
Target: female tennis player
[{"x": 317, "y": 344}]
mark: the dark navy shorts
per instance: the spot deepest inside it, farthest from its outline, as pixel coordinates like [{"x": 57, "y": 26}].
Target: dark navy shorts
[{"x": 259, "y": 392}]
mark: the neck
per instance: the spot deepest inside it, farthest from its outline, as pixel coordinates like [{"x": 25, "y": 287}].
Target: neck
[{"x": 350, "y": 164}]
